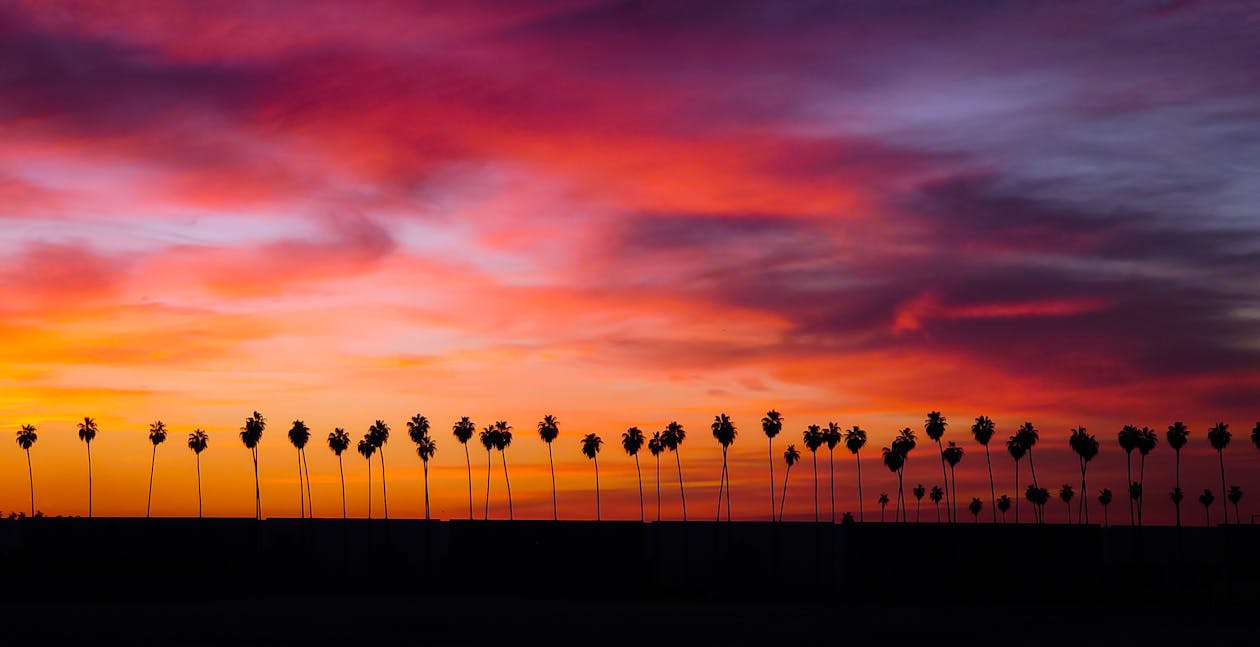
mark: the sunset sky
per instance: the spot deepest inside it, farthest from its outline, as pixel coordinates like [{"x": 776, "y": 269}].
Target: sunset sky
[{"x": 623, "y": 214}]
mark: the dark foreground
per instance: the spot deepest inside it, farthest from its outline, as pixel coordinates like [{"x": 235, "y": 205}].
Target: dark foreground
[{"x": 221, "y": 581}]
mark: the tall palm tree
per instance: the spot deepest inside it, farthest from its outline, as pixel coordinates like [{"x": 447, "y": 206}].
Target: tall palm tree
[
  {"x": 338, "y": 442},
  {"x": 26, "y": 437},
  {"x": 87, "y": 433},
  {"x": 378, "y": 434},
  {"x": 831, "y": 436},
  {"x": 198, "y": 440},
  {"x": 1003, "y": 504},
  {"x": 1147, "y": 440},
  {"x": 672, "y": 438},
  {"x": 724, "y": 432},
  {"x": 1235, "y": 494},
  {"x": 1086, "y": 447},
  {"x": 251, "y": 435},
  {"x": 548, "y": 430},
  {"x": 503, "y": 440},
  {"x": 1178, "y": 435},
  {"x": 854, "y": 441},
  {"x": 1255, "y": 435},
  {"x": 936, "y": 494},
  {"x": 934, "y": 426},
  {"x": 771, "y": 424},
  {"x": 974, "y": 508},
  {"x": 1128, "y": 441},
  {"x": 903, "y": 443},
  {"x": 590, "y": 448},
  {"x": 463, "y": 431},
  {"x": 894, "y": 461},
  {"x": 1065, "y": 495},
  {"x": 953, "y": 454},
  {"x": 919, "y": 492},
  {"x": 157, "y": 436},
  {"x": 983, "y": 429},
  {"x": 367, "y": 447},
  {"x": 1218, "y": 437},
  {"x": 426, "y": 447},
  {"x": 790, "y": 456},
  {"x": 656, "y": 446},
  {"x": 1104, "y": 499},
  {"x": 299, "y": 435},
  {"x": 632, "y": 441},
  {"x": 1206, "y": 498},
  {"x": 488, "y": 441},
  {"x": 1015, "y": 448},
  {"x": 813, "y": 439},
  {"x": 883, "y": 505}
]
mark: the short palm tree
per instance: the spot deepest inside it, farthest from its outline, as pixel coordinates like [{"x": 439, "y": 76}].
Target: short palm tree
[
  {"x": 338, "y": 442},
  {"x": 771, "y": 425},
  {"x": 724, "y": 432},
  {"x": 157, "y": 436},
  {"x": 463, "y": 431},
  {"x": 903, "y": 444},
  {"x": 656, "y": 446},
  {"x": 953, "y": 455},
  {"x": 883, "y": 505},
  {"x": 487, "y": 440},
  {"x": 1065, "y": 495},
  {"x": 87, "y": 433},
  {"x": 1104, "y": 499},
  {"x": 1015, "y": 448},
  {"x": 1085, "y": 446},
  {"x": 936, "y": 494},
  {"x": 813, "y": 439},
  {"x": 1147, "y": 440},
  {"x": 894, "y": 461},
  {"x": 974, "y": 508},
  {"x": 299, "y": 435},
  {"x": 854, "y": 441},
  {"x": 198, "y": 440},
  {"x": 1003, "y": 504},
  {"x": 1235, "y": 494},
  {"x": 26, "y": 437},
  {"x": 1135, "y": 495},
  {"x": 919, "y": 492},
  {"x": 1206, "y": 498},
  {"x": 1127, "y": 438},
  {"x": 366, "y": 448},
  {"x": 632, "y": 441},
  {"x": 672, "y": 437},
  {"x": 934, "y": 426},
  {"x": 790, "y": 457},
  {"x": 1177, "y": 496},
  {"x": 831, "y": 436},
  {"x": 503, "y": 440},
  {"x": 1177, "y": 435},
  {"x": 1218, "y": 437},
  {"x": 548, "y": 430},
  {"x": 590, "y": 449},
  {"x": 983, "y": 429},
  {"x": 251, "y": 435},
  {"x": 1028, "y": 436},
  {"x": 1039, "y": 497},
  {"x": 426, "y": 447},
  {"x": 378, "y": 434}
]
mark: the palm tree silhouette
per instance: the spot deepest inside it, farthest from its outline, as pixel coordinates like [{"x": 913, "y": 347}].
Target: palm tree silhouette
[
  {"x": 338, "y": 442},
  {"x": 831, "y": 436},
  {"x": 724, "y": 431},
  {"x": 1003, "y": 504},
  {"x": 854, "y": 441},
  {"x": 632, "y": 441},
  {"x": 1255, "y": 435},
  {"x": 87, "y": 433},
  {"x": 903, "y": 443},
  {"x": 1206, "y": 499},
  {"x": 883, "y": 505},
  {"x": 953, "y": 455},
  {"x": 1086, "y": 448},
  {"x": 1104, "y": 499},
  {"x": 157, "y": 436},
  {"x": 1028, "y": 436},
  {"x": 1015, "y": 447},
  {"x": 974, "y": 508},
  {"x": 1135, "y": 495},
  {"x": 983, "y": 429},
  {"x": 488, "y": 441},
  {"x": 1178, "y": 435},
  {"x": 463, "y": 431},
  {"x": 790, "y": 456},
  {"x": 198, "y": 440},
  {"x": 656, "y": 446},
  {"x": 378, "y": 434},
  {"x": 367, "y": 447},
  {"x": 1039, "y": 496},
  {"x": 503, "y": 440},
  {"x": 894, "y": 461},
  {"x": 1128, "y": 441},
  {"x": 1177, "y": 496},
  {"x": 771, "y": 425},
  {"x": 936, "y": 494},
  {"x": 299, "y": 435},
  {"x": 813, "y": 439},
  {"x": 548, "y": 430},
  {"x": 418, "y": 432},
  {"x": 934, "y": 426},
  {"x": 26, "y": 437},
  {"x": 1235, "y": 494},
  {"x": 673, "y": 438},
  {"x": 1218, "y": 437},
  {"x": 1147, "y": 440},
  {"x": 1065, "y": 495},
  {"x": 251, "y": 435},
  {"x": 590, "y": 448},
  {"x": 918, "y": 491}
]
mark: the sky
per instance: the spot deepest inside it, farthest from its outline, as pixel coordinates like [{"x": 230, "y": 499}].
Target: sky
[{"x": 623, "y": 213}]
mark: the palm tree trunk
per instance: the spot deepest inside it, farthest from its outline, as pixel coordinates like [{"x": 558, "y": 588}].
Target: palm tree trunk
[
  {"x": 783, "y": 495},
  {"x": 721, "y": 484},
  {"x": 301, "y": 493},
  {"x": 640, "y": 475},
  {"x": 900, "y": 497},
  {"x": 468, "y": 462},
  {"x": 658, "y": 487},
  {"x": 681, "y": 491},
  {"x": 1068, "y": 506},
  {"x": 508, "y": 481},
  {"x": 1016, "y": 492},
  {"x": 1178, "y": 484},
  {"x": 954, "y": 496},
  {"x": 306, "y": 467},
  {"x": 1224, "y": 499},
  {"x": 1128, "y": 479},
  {"x": 831, "y": 463},
  {"x": 369, "y": 465},
  {"x": 770, "y": 444},
  {"x": 31, "y": 474},
  {"x": 1032, "y": 467},
  {"x": 384, "y": 492},
  {"x": 342, "y": 471},
  {"x": 815, "y": 453},
  {"x": 992, "y": 488},
  {"x": 944, "y": 478},
  {"x": 89, "y": 452},
  {"x": 938, "y": 511},
  {"x": 257, "y": 488},
  {"x": 153, "y": 464},
  {"x": 728, "y": 485},
  {"x": 1141, "y": 486},
  {"x": 426, "y": 490},
  {"x": 596, "y": 459},
  {"x": 555, "y": 508},
  {"x": 861, "y": 505},
  {"x": 487, "y": 484},
  {"x": 1083, "y": 515},
  {"x": 198, "y": 485},
  {"x": 917, "y": 512}
]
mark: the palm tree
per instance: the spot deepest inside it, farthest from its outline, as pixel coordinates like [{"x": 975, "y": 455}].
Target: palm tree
[
  {"x": 1147, "y": 440},
  {"x": 632, "y": 441},
  {"x": 974, "y": 509},
  {"x": 918, "y": 491},
  {"x": 903, "y": 444},
  {"x": 1235, "y": 494},
  {"x": 1128, "y": 441},
  {"x": 790, "y": 456},
  {"x": 934, "y": 426},
  {"x": 1255, "y": 435},
  {"x": 1218, "y": 437},
  {"x": 1065, "y": 495},
  {"x": 198, "y": 440},
  {"x": 378, "y": 433},
  {"x": 894, "y": 461},
  {"x": 26, "y": 437},
  {"x": 488, "y": 441},
  {"x": 724, "y": 431},
  {"x": 157, "y": 436},
  {"x": 1028, "y": 437},
  {"x": 672, "y": 438},
  {"x": 936, "y": 494},
  {"x": 1086, "y": 447},
  {"x": 953, "y": 455},
  {"x": 854, "y": 441},
  {"x": 831, "y": 436},
  {"x": 1104, "y": 499},
  {"x": 1003, "y": 504},
  {"x": 367, "y": 447},
  {"x": 299, "y": 435},
  {"x": 463, "y": 431},
  {"x": 1178, "y": 435},
  {"x": 883, "y": 505},
  {"x": 87, "y": 433},
  {"x": 548, "y": 430},
  {"x": 1135, "y": 495},
  {"x": 983, "y": 429},
  {"x": 426, "y": 447},
  {"x": 813, "y": 439},
  {"x": 1039, "y": 496},
  {"x": 1016, "y": 449},
  {"x": 1206, "y": 499},
  {"x": 503, "y": 440},
  {"x": 656, "y": 446},
  {"x": 590, "y": 448},
  {"x": 1177, "y": 496},
  {"x": 251, "y": 435},
  {"x": 339, "y": 441},
  {"x": 771, "y": 424}
]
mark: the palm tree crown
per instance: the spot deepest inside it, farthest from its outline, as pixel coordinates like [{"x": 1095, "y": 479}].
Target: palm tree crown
[
  {"x": 418, "y": 428},
  {"x": 632, "y": 440},
  {"x": 198, "y": 440},
  {"x": 463, "y": 430},
  {"x": 299, "y": 434},
  {"x": 426, "y": 447},
  {"x": 87, "y": 430},
  {"x": 548, "y": 428},
  {"x": 157, "y": 432},
  {"x": 591, "y": 444},
  {"x": 1177, "y": 435},
  {"x": 26, "y": 436},
  {"x": 772, "y": 423},
  {"x": 338, "y": 440},
  {"x": 1218, "y": 436}
]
